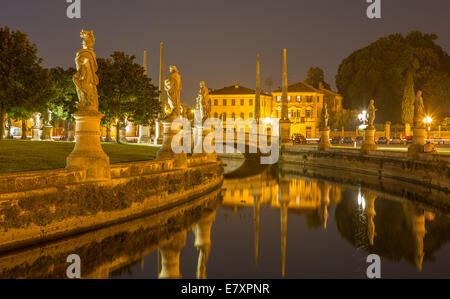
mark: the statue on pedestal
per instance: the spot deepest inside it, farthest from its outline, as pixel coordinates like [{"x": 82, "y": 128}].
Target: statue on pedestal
[
  {"x": 202, "y": 104},
  {"x": 173, "y": 87},
  {"x": 86, "y": 79},
  {"x": 372, "y": 112},
  {"x": 419, "y": 110}
]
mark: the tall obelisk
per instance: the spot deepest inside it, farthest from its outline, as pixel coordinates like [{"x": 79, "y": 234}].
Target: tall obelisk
[
  {"x": 162, "y": 98},
  {"x": 258, "y": 90},
  {"x": 285, "y": 123},
  {"x": 144, "y": 130}
]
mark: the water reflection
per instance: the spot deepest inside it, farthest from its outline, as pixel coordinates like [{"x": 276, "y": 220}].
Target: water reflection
[{"x": 265, "y": 223}]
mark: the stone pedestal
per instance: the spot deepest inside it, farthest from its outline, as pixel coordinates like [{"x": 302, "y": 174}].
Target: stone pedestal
[
  {"x": 169, "y": 257},
  {"x": 123, "y": 135},
  {"x": 159, "y": 133},
  {"x": 166, "y": 152},
  {"x": 369, "y": 141},
  {"x": 419, "y": 140},
  {"x": 324, "y": 139},
  {"x": 285, "y": 132},
  {"x": 36, "y": 134},
  {"x": 47, "y": 133},
  {"x": 387, "y": 132},
  {"x": 144, "y": 134},
  {"x": 88, "y": 153}
]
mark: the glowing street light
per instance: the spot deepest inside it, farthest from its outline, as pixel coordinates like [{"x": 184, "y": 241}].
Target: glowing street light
[
  {"x": 428, "y": 120},
  {"x": 363, "y": 117}
]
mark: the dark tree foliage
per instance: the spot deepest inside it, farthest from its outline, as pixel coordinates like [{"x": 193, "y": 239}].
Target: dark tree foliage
[
  {"x": 315, "y": 76},
  {"x": 24, "y": 84},
  {"x": 380, "y": 71},
  {"x": 125, "y": 92}
]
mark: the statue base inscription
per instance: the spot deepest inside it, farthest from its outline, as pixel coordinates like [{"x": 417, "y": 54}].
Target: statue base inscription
[
  {"x": 325, "y": 139},
  {"x": 88, "y": 153},
  {"x": 369, "y": 141}
]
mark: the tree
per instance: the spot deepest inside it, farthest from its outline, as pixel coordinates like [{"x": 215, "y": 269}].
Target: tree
[
  {"x": 63, "y": 103},
  {"x": 408, "y": 100},
  {"x": 22, "y": 79},
  {"x": 125, "y": 92},
  {"x": 380, "y": 71},
  {"x": 315, "y": 76}
]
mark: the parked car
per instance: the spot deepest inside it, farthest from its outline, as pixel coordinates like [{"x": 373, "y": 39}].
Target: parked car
[
  {"x": 396, "y": 140},
  {"x": 408, "y": 139},
  {"x": 298, "y": 139},
  {"x": 336, "y": 140},
  {"x": 382, "y": 140},
  {"x": 359, "y": 139},
  {"x": 347, "y": 140}
]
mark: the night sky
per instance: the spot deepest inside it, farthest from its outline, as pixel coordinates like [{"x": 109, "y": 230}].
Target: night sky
[{"x": 217, "y": 40}]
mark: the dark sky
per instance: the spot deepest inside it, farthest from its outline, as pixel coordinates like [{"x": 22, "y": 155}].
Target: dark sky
[{"x": 217, "y": 40}]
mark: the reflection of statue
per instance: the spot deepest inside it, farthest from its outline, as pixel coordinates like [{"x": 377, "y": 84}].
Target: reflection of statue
[
  {"x": 372, "y": 111},
  {"x": 419, "y": 110},
  {"x": 173, "y": 87},
  {"x": 324, "y": 117},
  {"x": 202, "y": 104},
  {"x": 86, "y": 79}
]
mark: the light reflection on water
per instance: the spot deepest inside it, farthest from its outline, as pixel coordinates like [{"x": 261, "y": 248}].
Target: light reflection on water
[{"x": 265, "y": 224}]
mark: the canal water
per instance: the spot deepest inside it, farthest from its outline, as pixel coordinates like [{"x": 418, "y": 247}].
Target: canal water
[{"x": 269, "y": 222}]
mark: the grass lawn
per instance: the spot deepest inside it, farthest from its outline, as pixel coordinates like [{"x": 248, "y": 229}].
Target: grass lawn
[{"x": 18, "y": 156}]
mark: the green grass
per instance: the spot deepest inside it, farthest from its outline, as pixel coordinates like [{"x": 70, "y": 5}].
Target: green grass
[{"x": 18, "y": 156}]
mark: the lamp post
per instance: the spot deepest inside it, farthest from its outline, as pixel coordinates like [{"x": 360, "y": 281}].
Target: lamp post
[{"x": 428, "y": 120}]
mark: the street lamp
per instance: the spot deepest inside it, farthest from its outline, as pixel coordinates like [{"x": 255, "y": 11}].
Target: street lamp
[
  {"x": 363, "y": 117},
  {"x": 428, "y": 120}
]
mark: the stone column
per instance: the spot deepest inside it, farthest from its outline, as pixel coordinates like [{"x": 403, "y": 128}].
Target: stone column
[
  {"x": 47, "y": 133},
  {"x": 387, "y": 131},
  {"x": 419, "y": 130},
  {"x": 285, "y": 123},
  {"x": 258, "y": 91},
  {"x": 369, "y": 141},
  {"x": 170, "y": 257},
  {"x": 202, "y": 231},
  {"x": 162, "y": 99},
  {"x": 88, "y": 153},
  {"x": 324, "y": 138},
  {"x": 36, "y": 133},
  {"x": 166, "y": 152}
]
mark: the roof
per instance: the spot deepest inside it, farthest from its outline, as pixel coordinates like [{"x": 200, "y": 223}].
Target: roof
[
  {"x": 235, "y": 90},
  {"x": 330, "y": 92},
  {"x": 300, "y": 87}
]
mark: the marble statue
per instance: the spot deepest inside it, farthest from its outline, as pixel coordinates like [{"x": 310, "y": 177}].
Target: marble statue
[
  {"x": 173, "y": 87},
  {"x": 372, "y": 110},
  {"x": 324, "y": 118},
  {"x": 202, "y": 104},
  {"x": 86, "y": 79},
  {"x": 419, "y": 110}
]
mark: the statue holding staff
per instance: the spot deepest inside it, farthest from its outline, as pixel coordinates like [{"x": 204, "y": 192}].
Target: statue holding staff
[{"x": 372, "y": 112}]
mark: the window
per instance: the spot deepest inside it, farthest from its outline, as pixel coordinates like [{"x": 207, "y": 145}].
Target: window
[
  {"x": 318, "y": 99},
  {"x": 250, "y": 115},
  {"x": 209, "y": 102},
  {"x": 299, "y": 99},
  {"x": 216, "y": 102},
  {"x": 216, "y": 115},
  {"x": 309, "y": 99},
  {"x": 289, "y": 98},
  {"x": 250, "y": 102},
  {"x": 302, "y": 119},
  {"x": 224, "y": 102},
  {"x": 278, "y": 99},
  {"x": 242, "y": 115},
  {"x": 308, "y": 113},
  {"x": 233, "y": 102},
  {"x": 242, "y": 102},
  {"x": 233, "y": 115}
]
